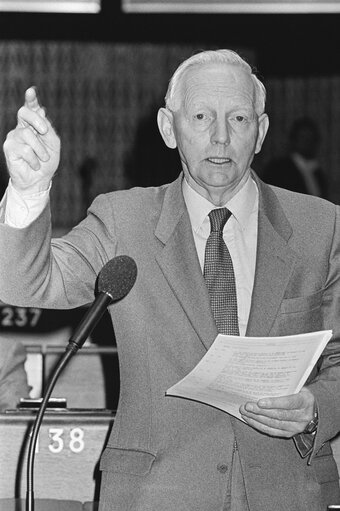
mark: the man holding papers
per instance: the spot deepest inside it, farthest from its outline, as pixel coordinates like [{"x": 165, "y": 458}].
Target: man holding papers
[{"x": 217, "y": 250}]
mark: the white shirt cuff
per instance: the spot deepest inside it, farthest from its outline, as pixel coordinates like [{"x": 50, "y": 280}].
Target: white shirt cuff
[{"x": 22, "y": 209}]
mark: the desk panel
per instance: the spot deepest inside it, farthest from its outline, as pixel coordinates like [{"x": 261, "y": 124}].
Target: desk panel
[{"x": 68, "y": 450}]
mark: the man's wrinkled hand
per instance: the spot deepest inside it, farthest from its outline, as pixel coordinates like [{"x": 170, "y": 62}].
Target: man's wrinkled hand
[
  {"x": 32, "y": 149},
  {"x": 283, "y": 416}
]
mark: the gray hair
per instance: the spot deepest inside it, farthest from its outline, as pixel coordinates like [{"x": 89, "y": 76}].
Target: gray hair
[{"x": 215, "y": 56}]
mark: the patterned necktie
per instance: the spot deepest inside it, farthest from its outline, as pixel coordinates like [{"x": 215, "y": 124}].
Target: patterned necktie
[{"x": 219, "y": 275}]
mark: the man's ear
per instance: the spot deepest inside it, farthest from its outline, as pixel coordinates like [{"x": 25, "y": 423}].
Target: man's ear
[
  {"x": 165, "y": 122},
  {"x": 263, "y": 128}
]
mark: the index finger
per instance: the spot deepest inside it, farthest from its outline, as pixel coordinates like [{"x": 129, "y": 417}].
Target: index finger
[{"x": 31, "y": 99}]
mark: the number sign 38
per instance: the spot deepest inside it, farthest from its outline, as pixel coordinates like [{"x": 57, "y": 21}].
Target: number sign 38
[{"x": 60, "y": 439}]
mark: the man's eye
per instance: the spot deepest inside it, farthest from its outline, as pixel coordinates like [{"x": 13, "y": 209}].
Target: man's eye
[
  {"x": 240, "y": 118},
  {"x": 200, "y": 117}
]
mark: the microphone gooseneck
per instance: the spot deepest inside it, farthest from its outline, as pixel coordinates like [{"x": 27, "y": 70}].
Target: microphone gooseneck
[{"x": 114, "y": 281}]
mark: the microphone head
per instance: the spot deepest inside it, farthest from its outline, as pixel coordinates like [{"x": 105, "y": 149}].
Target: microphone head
[{"x": 117, "y": 277}]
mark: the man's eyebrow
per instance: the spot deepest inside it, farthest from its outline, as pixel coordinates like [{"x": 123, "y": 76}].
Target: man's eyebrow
[{"x": 243, "y": 108}]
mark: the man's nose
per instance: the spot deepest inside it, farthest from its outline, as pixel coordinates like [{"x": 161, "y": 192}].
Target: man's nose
[{"x": 220, "y": 132}]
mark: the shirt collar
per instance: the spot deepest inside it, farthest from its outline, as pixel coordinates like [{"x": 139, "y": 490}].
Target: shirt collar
[{"x": 241, "y": 205}]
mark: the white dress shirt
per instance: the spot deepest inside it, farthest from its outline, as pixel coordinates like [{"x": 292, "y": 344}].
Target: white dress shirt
[
  {"x": 19, "y": 209},
  {"x": 239, "y": 234}
]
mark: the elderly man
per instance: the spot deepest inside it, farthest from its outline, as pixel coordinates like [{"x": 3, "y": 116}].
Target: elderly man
[{"x": 275, "y": 255}]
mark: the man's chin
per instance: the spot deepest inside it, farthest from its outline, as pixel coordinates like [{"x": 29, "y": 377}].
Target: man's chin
[{"x": 217, "y": 180}]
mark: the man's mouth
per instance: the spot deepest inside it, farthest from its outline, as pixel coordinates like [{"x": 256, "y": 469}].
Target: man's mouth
[{"x": 219, "y": 161}]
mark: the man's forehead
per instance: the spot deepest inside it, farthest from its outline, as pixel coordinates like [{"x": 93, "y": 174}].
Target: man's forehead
[{"x": 213, "y": 78}]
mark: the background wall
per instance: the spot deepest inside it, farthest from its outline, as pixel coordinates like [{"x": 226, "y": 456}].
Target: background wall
[{"x": 103, "y": 77}]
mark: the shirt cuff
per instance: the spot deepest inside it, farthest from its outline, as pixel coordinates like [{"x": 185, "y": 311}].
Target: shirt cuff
[{"x": 22, "y": 209}]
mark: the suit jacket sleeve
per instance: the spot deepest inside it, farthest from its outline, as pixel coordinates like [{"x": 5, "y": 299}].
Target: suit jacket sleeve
[
  {"x": 31, "y": 274},
  {"x": 326, "y": 384}
]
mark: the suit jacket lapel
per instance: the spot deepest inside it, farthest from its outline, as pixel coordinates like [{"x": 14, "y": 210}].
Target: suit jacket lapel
[
  {"x": 274, "y": 263},
  {"x": 179, "y": 262},
  {"x": 180, "y": 265}
]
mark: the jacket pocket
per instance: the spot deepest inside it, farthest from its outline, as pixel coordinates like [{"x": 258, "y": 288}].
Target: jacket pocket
[
  {"x": 324, "y": 465},
  {"x": 325, "y": 469},
  {"x": 126, "y": 461},
  {"x": 302, "y": 303}
]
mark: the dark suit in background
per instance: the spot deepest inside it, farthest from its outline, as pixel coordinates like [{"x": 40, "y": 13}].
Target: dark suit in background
[{"x": 299, "y": 170}]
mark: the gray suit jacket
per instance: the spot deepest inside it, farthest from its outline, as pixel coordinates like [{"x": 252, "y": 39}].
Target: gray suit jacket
[{"x": 172, "y": 454}]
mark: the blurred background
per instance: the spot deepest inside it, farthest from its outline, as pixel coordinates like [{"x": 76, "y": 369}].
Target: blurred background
[{"x": 103, "y": 75}]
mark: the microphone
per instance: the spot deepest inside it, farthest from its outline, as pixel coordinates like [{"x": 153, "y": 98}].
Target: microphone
[{"x": 115, "y": 280}]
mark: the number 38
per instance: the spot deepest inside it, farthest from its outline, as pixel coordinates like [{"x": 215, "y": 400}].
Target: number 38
[{"x": 57, "y": 443}]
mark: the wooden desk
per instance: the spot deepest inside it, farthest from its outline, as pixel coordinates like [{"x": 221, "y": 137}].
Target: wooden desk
[{"x": 68, "y": 450}]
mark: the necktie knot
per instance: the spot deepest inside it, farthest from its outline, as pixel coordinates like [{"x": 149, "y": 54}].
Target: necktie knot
[{"x": 218, "y": 219}]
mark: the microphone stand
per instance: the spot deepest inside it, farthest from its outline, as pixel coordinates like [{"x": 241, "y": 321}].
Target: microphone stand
[
  {"x": 109, "y": 290},
  {"x": 71, "y": 349}
]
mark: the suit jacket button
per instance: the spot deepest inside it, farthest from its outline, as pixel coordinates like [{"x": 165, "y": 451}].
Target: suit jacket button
[{"x": 221, "y": 467}]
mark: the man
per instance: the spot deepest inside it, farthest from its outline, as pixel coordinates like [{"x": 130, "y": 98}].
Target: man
[
  {"x": 300, "y": 170},
  {"x": 13, "y": 377},
  {"x": 172, "y": 454}
]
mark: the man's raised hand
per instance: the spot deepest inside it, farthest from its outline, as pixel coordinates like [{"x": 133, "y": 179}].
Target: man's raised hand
[{"x": 32, "y": 149}]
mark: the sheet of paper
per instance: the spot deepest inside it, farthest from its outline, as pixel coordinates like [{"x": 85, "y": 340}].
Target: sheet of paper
[{"x": 239, "y": 369}]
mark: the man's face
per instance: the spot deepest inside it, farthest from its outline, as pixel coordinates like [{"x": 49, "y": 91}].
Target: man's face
[{"x": 216, "y": 129}]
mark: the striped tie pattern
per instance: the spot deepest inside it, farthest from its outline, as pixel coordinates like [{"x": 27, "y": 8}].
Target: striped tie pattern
[{"x": 219, "y": 275}]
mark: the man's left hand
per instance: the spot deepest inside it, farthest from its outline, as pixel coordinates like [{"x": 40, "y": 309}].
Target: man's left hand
[{"x": 283, "y": 416}]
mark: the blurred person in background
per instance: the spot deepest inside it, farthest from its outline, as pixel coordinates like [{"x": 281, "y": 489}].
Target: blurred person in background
[
  {"x": 300, "y": 170},
  {"x": 13, "y": 377}
]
